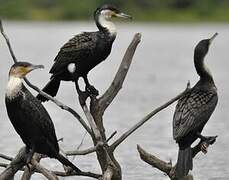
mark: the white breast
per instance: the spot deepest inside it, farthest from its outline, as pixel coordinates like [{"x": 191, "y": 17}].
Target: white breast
[{"x": 13, "y": 87}]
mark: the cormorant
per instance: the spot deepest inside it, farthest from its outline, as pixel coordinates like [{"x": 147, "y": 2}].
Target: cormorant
[
  {"x": 194, "y": 110},
  {"x": 29, "y": 118},
  {"x": 83, "y": 52}
]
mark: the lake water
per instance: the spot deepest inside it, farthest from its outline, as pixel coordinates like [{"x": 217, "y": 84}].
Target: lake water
[{"x": 162, "y": 65}]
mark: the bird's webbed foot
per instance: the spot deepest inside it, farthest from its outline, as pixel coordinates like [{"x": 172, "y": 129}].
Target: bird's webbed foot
[
  {"x": 205, "y": 141},
  {"x": 92, "y": 90}
]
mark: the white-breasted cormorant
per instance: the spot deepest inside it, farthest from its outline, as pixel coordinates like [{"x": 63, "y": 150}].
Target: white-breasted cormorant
[
  {"x": 29, "y": 118},
  {"x": 194, "y": 110},
  {"x": 83, "y": 52}
]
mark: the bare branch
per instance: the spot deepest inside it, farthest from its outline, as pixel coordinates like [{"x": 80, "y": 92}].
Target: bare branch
[
  {"x": 91, "y": 121},
  {"x": 146, "y": 118},
  {"x": 111, "y": 136},
  {"x": 57, "y": 102},
  {"x": 117, "y": 83},
  {"x": 7, "y": 41},
  {"x": 6, "y": 157},
  {"x": 82, "y": 152},
  {"x": 16, "y": 164},
  {"x": 19, "y": 161},
  {"x": 48, "y": 174},
  {"x": 154, "y": 161},
  {"x": 28, "y": 171},
  {"x": 167, "y": 168},
  {"x": 87, "y": 174},
  {"x": 108, "y": 174}
]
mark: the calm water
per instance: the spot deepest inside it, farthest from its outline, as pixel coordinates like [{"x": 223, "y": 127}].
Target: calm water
[{"x": 161, "y": 68}]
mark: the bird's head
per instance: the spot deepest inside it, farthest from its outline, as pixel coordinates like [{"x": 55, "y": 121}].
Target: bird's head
[
  {"x": 109, "y": 11},
  {"x": 21, "y": 69},
  {"x": 202, "y": 47}
]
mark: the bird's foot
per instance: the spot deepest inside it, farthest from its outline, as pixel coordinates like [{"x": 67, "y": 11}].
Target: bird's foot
[
  {"x": 27, "y": 165},
  {"x": 204, "y": 147},
  {"x": 208, "y": 140},
  {"x": 83, "y": 97},
  {"x": 28, "y": 160},
  {"x": 92, "y": 90}
]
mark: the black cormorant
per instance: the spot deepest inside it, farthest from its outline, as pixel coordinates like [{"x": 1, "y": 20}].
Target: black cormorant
[
  {"x": 194, "y": 110},
  {"x": 83, "y": 52},
  {"x": 29, "y": 118}
]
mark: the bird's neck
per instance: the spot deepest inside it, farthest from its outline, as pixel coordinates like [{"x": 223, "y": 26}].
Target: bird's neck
[
  {"x": 106, "y": 26},
  {"x": 202, "y": 70},
  {"x": 14, "y": 87}
]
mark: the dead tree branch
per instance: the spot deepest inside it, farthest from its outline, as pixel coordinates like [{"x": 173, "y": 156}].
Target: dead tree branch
[
  {"x": 19, "y": 162},
  {"x": 110, "y": 167},
  {"x": 83, "y": 152},
  {"x": 116, "y": 85},
  {"x": 6, "y": 157},
  {"x": 167, "y": 168},
  {"x": 86, "y": 174},
  {"x": 16, "y": 164}
]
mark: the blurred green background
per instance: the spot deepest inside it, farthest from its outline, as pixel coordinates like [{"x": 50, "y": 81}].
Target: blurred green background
[{"x": 141, "y": 10}]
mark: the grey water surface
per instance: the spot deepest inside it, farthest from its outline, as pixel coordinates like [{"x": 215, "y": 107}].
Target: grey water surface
[{"x": 162, "y": 65}]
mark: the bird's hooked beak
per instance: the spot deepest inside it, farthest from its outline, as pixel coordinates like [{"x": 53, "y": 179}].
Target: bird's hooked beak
[
  {"x": 123, "y": 15},
  {"x": 33, "y": 67},
  {"x": 212, "y": 38},
  {"x": 26, "y": 70}
]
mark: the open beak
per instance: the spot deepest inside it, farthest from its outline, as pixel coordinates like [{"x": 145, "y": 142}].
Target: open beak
[
  {"x": 213, "y": 37},
  {"x": 123, "y": 15}
]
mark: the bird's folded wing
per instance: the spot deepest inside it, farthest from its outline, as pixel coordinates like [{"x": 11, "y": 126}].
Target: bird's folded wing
[
  {"x": 37, "y": 116},
  {"x": 76, "y": 49},
  {"x": 192, "y": 111}
]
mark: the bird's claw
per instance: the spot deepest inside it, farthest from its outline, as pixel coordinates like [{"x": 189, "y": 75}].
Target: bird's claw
[
  {"x": 204, "y": 147},
  {"x": 92, "y": 90},
  {"x": 209, "y": 141}
]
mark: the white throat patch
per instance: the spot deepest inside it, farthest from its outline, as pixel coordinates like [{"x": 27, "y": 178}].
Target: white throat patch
[
  {"x": 13, "y": 87},
  {"x": 104, "y": 20},
  {"x": 207, "y": 69}
]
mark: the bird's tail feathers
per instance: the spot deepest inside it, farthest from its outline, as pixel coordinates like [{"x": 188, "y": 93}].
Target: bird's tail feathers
[
  {"x": 184, "y": 162},
  {"x": 51, "y": 88},
  {"x": 68, "y": 163}
]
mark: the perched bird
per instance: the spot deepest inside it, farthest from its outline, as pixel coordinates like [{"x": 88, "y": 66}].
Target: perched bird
[
  {"x": 83, "y": 52},
  {"x": 194, "y": 110},
  {"x": 29, "y": 118}
]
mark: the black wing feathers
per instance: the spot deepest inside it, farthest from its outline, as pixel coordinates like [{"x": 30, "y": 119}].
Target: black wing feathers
[
  {"x": 192, "y": 111},
  {"x": 34, "y": 111},
  {"x": 74, "y": 51}
]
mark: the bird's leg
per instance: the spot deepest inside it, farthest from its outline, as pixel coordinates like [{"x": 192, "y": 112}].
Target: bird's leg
[
  {"x": 29, "y": 156},
  {"x": 89, "y": 88},
  {"x": 82, "y": 95},
  {"x": 206, "y": 141}
]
